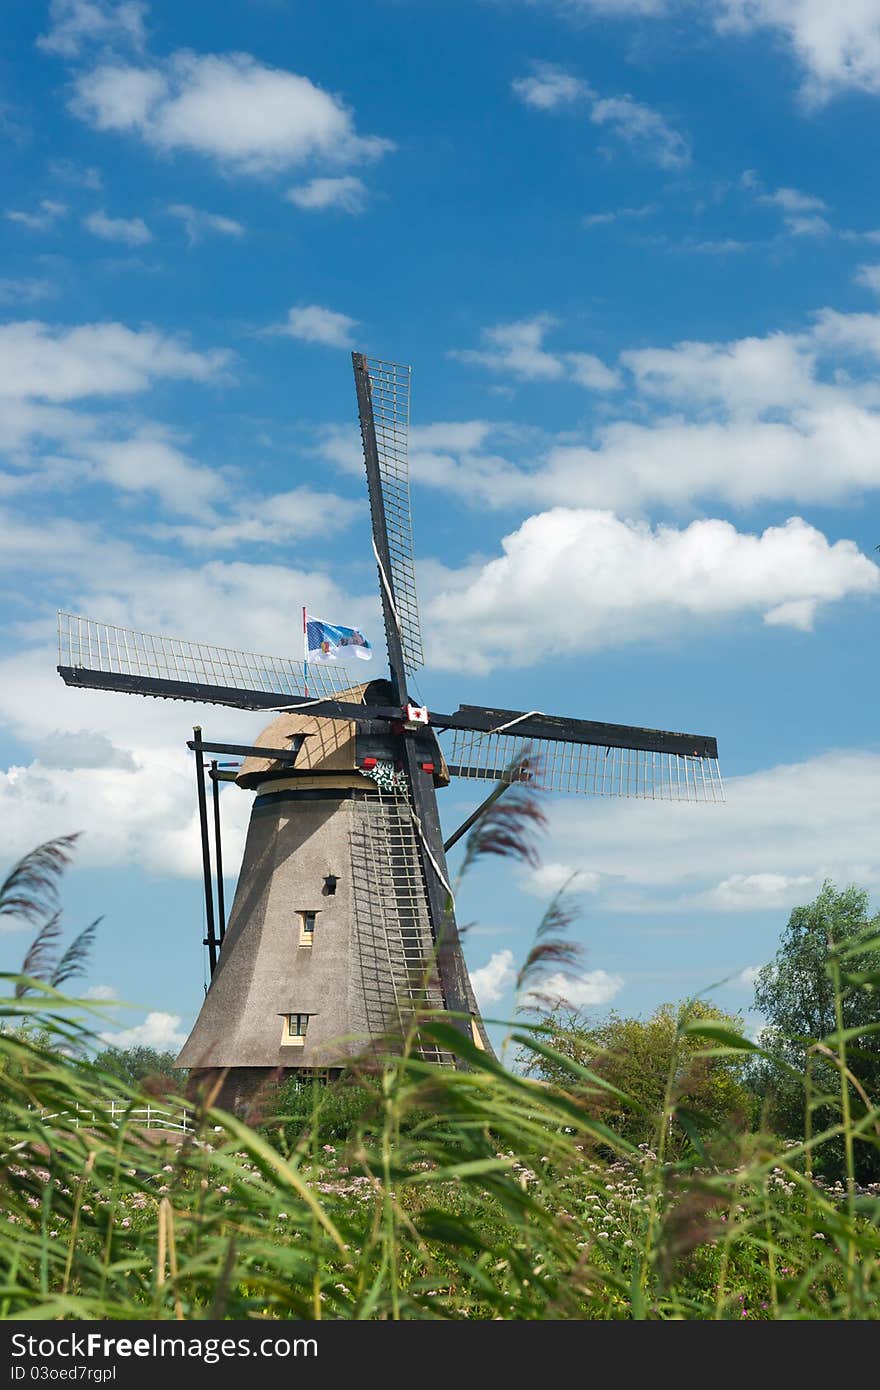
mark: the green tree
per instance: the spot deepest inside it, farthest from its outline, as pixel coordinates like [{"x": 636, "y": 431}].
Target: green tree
[
  {"x": 659, "y": 1069},
  {"x": 796, "y": 995},
  {"x": 138, "y": 1064}
]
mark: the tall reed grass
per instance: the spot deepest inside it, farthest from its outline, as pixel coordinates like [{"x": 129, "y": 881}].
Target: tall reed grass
[{"x": 471, "y": 1192}]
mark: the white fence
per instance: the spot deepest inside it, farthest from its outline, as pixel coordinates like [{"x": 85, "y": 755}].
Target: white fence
[{"x": 147, "y": 1116}]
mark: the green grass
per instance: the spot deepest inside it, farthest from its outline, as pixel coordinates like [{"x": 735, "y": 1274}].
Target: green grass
[{"x": 441, "y": 1193}]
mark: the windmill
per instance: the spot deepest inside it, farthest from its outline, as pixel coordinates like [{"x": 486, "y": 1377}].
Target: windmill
[{"x": 343, "y": 918}]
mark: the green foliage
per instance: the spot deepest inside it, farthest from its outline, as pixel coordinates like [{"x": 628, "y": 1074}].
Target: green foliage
[
  {"x": 642, "y": 1063},
  {"x": 800, "y": 995},
  {"x": 138, "y": 1064},
  {"x": 445, "y": 1192},
  {"x": 326, "y": 1110}
]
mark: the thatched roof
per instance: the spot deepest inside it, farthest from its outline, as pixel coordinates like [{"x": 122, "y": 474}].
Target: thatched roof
[{"x": 328, "y": 746}]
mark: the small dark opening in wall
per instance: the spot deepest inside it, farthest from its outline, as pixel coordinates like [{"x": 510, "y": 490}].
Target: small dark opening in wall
[{"x": 330, "y": 883}]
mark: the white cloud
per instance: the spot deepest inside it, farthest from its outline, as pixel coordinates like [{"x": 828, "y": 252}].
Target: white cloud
[
  {"x": 148, "y": 463},
  {"x": 747, "y": 892},
  {"x": 838, "y": 45},
  {"x": 747, "y": 976},
  {"x": 792, "y": 200},
  {"x": 92, "y": 753},
  {"x": 197, "y": 223},
  {"x": 625, "y": 581},
  {"x": 85, "y": 748},
  {"x": 602, "y": 219},
  {"x": 42, "y": 221},
  {"x": 26, "y": 289},
  {"x": 312, "y": 323},
  {"x": 781, "y": 832},
  {"x": 81, "y": 175},
  {"x": 869, "y": 276},
  {"x": 343, "y": 194},
  {"x": 250, "y": 117},
  {"x": 78, "y": 23},
  {"x": 593, "y": 988},
  {"x": 645, "y": 130},
  {"x": 518, "y": 349},
  {"x": 587, "y": 370},
  {"x": 274, "y": 520},
  {"x": 802, "y": 213},
  {"x": 790, "y": 415},
  {"x": 60, "y": 363},
  {"x": 100, "y": 993},
  {"x": 550, "y": 88},
  {"x": 551, "y": 878},
  {"x": 132, "y": 231},
  {"x": 492, "y": 980},
  {"x": 159, "y": 1030}
]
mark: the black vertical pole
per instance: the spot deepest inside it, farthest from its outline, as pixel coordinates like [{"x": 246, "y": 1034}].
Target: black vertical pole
[
  {"x": 210, "y": 939},
  {"x": 218, "y": 854}
]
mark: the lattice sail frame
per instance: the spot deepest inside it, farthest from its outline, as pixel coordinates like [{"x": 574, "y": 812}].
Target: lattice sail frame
[
  {"x": 389, "y": 395},
  {"x": 586, "y": 769},
  {"x": 96, "y": 646},
  {"x": 397, "y": 969}
]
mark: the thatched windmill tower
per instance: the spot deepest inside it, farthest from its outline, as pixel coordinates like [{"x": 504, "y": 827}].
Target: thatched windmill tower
[{"x": 343, "y": 918}]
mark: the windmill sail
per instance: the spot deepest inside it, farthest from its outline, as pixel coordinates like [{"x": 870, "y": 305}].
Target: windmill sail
[
  {"x": 582, "y": 756},
  {"x": 106, "y": 657},
  {"x": 389, "y": 395},
  {"x": 587, "y": 769}
]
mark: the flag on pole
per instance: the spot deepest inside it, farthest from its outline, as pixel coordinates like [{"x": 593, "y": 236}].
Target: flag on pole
[{"x": 329, "y": 642}]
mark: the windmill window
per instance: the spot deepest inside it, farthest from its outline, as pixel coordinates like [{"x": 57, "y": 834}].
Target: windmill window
[
  {"x": 307, "y": 921},
  {"x": 296, "y": 1028}
]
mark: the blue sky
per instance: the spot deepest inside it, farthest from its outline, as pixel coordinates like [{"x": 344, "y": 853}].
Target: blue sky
[{"x": 632, "y": 250}]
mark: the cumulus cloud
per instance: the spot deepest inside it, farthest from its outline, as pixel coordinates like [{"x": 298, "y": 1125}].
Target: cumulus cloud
[
  {"x": 802, "y": 213},
  {"x": 92, "y": 754},
  {"x": 76, "y": 24},
  {"x": 781, "y": 832},
  {"x": 869, "y": 276},
  {"x": 787, "y": 415},
  {"x": 248, "y": 116},
  {"x": 198, "y": 223},
  {"x": 49, "y": 362},
  {"x": 627, "y": 581},
  {"x": 159, "y": 1030},
  {"x": 551, "y": 878},
  {"x": 747, "y": 892},
  {"x": 647, "y": 133},
  {"x": 132, "y": 231},
  {"x": 27, "y": 289},
  {"x": 747, "y": 976},
  {"x": 643, "y": 129},
  {"x": 836, "y": 46},
  {"x": 518, "y": 349},
  {"x": 343, "y": 194},
  {"x": 550, "y": 87},
  {"x": 271, "y": 520},
  {"x": 312, "y": 323},
  {"x": 590, "y": 990},
  {"x": 492, "y": 980},
  {"x": 100, "y": 993},
  {"x": 49, "y": 213}
]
